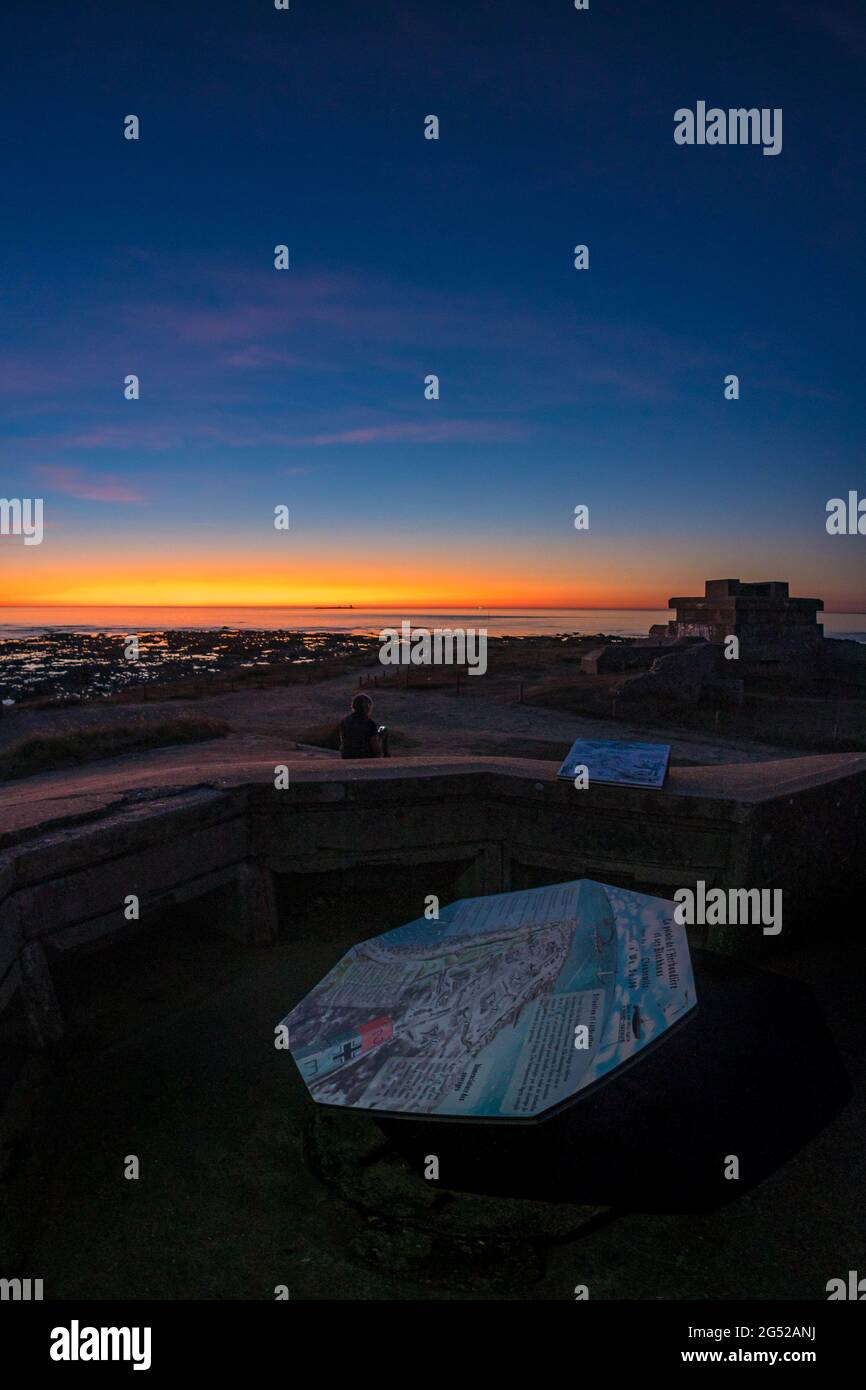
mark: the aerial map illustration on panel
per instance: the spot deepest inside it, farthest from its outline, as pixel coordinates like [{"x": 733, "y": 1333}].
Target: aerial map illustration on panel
[{"x": 503, "y": 1008}]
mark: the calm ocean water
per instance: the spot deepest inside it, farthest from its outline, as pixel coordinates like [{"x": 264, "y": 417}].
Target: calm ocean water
[{"x": 522, "y": 622}]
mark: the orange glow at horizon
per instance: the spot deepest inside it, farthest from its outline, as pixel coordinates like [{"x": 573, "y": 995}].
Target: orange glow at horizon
[
  {"x": 363, "y": 580},
  {"x": 375, "y": 576},
  {"x": 184, "y": 593},
  {"x": 192, "y": 592}
]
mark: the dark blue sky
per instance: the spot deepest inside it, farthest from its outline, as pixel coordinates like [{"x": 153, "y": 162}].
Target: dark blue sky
[{"x": 412, "y": 256}]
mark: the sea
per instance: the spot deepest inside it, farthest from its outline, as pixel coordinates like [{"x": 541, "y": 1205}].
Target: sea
[{"x": 498, "y": 622}]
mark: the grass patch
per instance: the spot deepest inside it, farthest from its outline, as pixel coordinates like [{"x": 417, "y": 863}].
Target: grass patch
[
  {"x": 808, "y": 725},
  {"x": 50, "y": 752}
]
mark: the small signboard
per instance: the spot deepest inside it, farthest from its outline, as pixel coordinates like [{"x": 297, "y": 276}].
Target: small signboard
[{"x": 619, "y": 761}]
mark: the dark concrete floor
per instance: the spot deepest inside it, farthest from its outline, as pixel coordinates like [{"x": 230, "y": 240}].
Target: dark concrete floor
[{"x": 171, "y": 1058}]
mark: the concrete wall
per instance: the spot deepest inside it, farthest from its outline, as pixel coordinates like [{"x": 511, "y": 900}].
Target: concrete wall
[{"x": 798, "y": 824}]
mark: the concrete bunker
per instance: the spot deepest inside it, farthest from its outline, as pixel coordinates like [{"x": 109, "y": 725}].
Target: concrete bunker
[{"x": 461, "y": 827}]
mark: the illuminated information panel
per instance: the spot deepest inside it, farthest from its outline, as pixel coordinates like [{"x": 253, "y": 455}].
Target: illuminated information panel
[{"x": 503, "y": 1008}]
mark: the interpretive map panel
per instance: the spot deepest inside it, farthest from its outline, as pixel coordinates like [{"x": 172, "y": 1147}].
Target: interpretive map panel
[
  {"x": 616, "y": 760},
  {"x": 503, "y": 1007}
]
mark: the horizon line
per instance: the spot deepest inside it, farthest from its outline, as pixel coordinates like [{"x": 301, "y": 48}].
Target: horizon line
[
  {"x": 384, "y": 607},
  {"x": 548, "y": 608}
]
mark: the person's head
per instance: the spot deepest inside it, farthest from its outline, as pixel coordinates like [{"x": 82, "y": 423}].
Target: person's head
[{"x": 362, "y": 704}]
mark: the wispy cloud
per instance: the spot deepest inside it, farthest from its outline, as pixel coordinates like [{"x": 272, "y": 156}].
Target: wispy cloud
[
  {"x": 436, "y": 432},
  {"x": 88, "y": 487},
  {"x": 241, "y": 434},
  {"x": 210, "y": 340},
  {"x": 256, "y": 355}
]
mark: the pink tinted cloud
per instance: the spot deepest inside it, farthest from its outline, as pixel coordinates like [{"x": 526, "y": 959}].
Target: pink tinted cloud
[
  {"x": 88, "y": 487},
  {"x": 248, "y": 307},
  {"x": 257, "y": 356},
  {"x": 190, "y": 325},
  {"x": 257, "y": 306},
  {"x": 436, "y": 432},
  {"x": 117, "y": 437}
]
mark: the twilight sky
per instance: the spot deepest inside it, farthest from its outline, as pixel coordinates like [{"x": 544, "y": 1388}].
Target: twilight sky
[{"x": 409, "y": 257}]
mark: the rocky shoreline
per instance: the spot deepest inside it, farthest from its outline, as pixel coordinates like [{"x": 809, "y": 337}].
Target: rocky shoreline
[{"x": 67, "y": 667}]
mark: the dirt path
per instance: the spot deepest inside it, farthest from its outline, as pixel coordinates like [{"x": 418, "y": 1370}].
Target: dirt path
[{"x": 427, "y": 720}]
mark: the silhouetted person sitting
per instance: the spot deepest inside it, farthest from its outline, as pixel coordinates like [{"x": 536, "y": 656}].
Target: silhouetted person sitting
[{"x": 359, "y": 735}]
